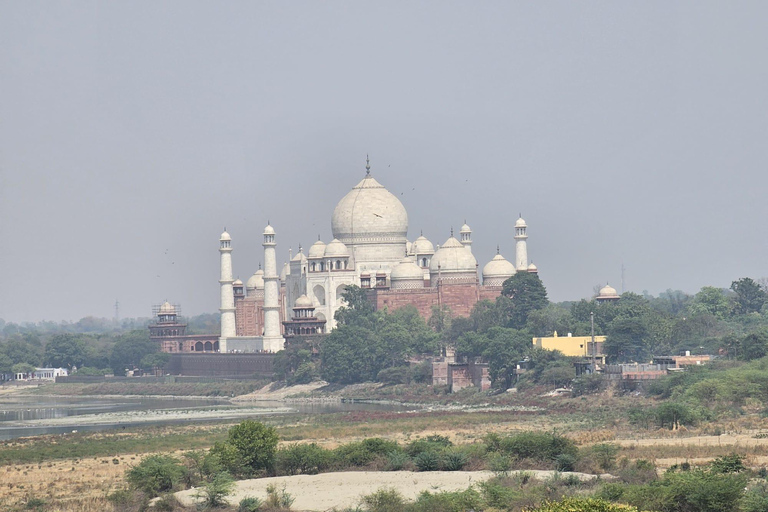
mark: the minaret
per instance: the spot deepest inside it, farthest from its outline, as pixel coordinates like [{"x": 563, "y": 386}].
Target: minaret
[
  {"x": 465, "y": 235},
  {"x": 227, "y": 308},
  {"x": 521, "y": 248},
  {"x": 272, "y": 341}
]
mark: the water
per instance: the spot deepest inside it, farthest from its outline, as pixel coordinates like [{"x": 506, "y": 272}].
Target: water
[{"x": 22, "y": 416}]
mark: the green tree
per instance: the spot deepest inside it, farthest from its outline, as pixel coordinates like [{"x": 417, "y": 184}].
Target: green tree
[
  {"x": 504, "y": 349},
  {"x": 249, "y": 449},
  {"x": 155, "y": 360},
  {"x": 626, "y": 340},
  {"x": 750, "y": 297},
  {"x": 358, "y": 309},
  {"x": 65, "y": 351},
  {"x": 351, "y": 354},
  {"x": 24, "y": 368},
  {"x": 214, "y": 493},
  {"x": 296, "y": 354},
  {"x": 526, "y": 293},
  {"x": 754, "y": 346},
  {"x": 712, "y": 301},
  {"x": 129, "y": 349}
]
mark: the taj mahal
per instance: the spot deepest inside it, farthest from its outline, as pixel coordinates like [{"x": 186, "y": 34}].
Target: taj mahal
[{"x": 369, "y": 249}]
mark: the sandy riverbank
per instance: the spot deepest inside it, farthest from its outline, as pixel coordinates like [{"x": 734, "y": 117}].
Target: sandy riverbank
[{"x": 345, "y": 489}]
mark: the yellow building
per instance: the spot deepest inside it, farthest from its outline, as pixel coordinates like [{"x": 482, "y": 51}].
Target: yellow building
[{"x": 578, "y": 346}]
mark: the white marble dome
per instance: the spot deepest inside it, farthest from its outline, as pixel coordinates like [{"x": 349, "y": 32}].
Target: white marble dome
[
  {"x": 422, "y": 246},
  {"x": 303, "y": 302},
  {"x": 533, "y": 268},
  {"x": 285, "y": 272},
  {"x": 520, "y": 223},
  {"x": 237, "y": 282},
  {"x": 453, "y": 258},
  {"x": 608, "y": 292},
  {"x": 167, "y": 309},
  {"x": 317, "y": 250},
  {"x": 269, "y": 230},
  {"x": 256, "y": 281},
  {"x": 498, "y": 270},
  {"x": 407, "y": 269},
  {"x": 370, "y": 214},
  {"x": 225, "y": 237},
  {"x": 336, "y": 249}
]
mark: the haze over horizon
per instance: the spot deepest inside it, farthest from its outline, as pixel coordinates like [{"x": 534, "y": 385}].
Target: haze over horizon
[{"x": 131, "y": 134}]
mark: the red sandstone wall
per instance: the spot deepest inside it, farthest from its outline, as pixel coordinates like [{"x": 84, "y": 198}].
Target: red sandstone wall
[{"x": 460, "y": 298}]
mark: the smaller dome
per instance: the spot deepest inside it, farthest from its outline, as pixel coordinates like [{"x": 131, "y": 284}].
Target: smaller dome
[
  {"x": 499, "y": 266},
  {"x": 299, "y": 256},
  {"x": 533, "y": 268},
  {"x": 167, "y": 309},
  {"x": 336, "y": 249},
  {"x": 608, "y": 292},
  {"x": 465, "y": 229},
  {"x": 237, "y": 282},
  {"x": 225, "y": 237},
  {"x": 423, "y": 246},
  {"x": 407, "y": 269},
  {"x": 453, "y": 257},
  {"x": 269, "y": 230},
  {"x": 256, "y": 281},
  {"x": 317, "y": 250},
  {"x": 520, "y": 223},
  {"x": 303, "y": 302},
  {"x": 285, "y": 272}
]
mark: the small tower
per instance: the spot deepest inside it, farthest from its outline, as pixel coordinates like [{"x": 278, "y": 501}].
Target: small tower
[
  {"x": 227, "y": 308},
  {"x": 521, "y": 247},
  {"x": 465, "y": 236},
  {"x": 272, "y": 340}
]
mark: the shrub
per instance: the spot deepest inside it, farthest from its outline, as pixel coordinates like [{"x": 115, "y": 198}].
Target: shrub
[
  {"x": 249, "y": 504},
  {"x": 156, "y": 474},
  {"x": 565, "y": 462},
  {"x": 584, "y": 505},
  {"x": 396, "y": 461},
  {"x": 538, "y": 446},
  {"x": 498, "y": 462},
  {"x": 732, "y": 463},
  {"x": 459, "y": 501},
  {"x": 430, "y": 443},
  {"x": 384, "y": 500},
  {"x": 249, "y": 449},
  {"x": 427, "y": 461},
  {"x": 454, "y": 460},
  {"x": 308, "y": 459},
  {"x": 214, "y": 493},
  {"x": 640, "y": 471},
  {"x": 278, "y": 498},
  {"x": 755, "y": 499},
  {"x": 605, "y": 455}
]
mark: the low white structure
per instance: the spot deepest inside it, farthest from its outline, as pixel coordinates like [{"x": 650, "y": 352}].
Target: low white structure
[{"x": 49, "y": 373}]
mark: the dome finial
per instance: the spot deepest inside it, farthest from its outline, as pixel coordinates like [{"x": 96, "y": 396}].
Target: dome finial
[
  {"x": 367, "y": 166},
  {"x": 451, "y": 231},
  {"x": 421, "y": 232},
  {"x": 259, "y": 265},
  {"x": 497, "y": 250}
]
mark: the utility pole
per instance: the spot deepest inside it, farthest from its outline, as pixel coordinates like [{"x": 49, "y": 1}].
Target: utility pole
[{"x": 594, "y": 349}]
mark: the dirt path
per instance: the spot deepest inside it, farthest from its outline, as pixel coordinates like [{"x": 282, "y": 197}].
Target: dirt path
[{"x": 345, "y": 489}]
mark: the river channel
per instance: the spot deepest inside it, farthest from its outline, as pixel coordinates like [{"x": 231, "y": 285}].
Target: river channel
[{"x": 31, "y": 415}]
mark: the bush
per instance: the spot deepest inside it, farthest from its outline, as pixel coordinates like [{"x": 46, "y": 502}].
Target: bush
[
  {"x": 308, "y": 459},
  {"x": 427, "y": 461},
  {"x": 364, "y": 452},
  {"x": 605, "y": 455},
  {"x": 538, "y": 446},
  {"x": 384, "y": 500},
  {"x": 565, "y": 462},
  {"x": 249, "y": 504},
  {"x": 755, "y": 499},
  {"x": 733, "y": 463},
  {"x": 278, "y": 498},
  {"x": 640, "y": 471},
  {"x": 498, "y": 462},
  {"x": 433, "y": 443},
  {"x": 396, "y": 461},
  {"x": 214, "y": 493},
  {"x": 156, "y": 474},
  {"x": 584, "y": 505},
  {"x": 459, "y": 501},
  {"x": 249, "y": 449},
  {"x": 454, "y": 460}
]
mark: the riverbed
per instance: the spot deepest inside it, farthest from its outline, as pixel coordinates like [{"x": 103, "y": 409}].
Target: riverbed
[{"x": 24, "y": 415}]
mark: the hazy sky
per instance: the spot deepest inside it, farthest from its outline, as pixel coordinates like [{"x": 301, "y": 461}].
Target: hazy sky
[{"x": 132, "y": 133}]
